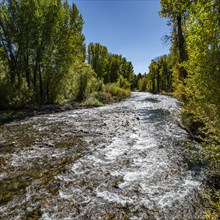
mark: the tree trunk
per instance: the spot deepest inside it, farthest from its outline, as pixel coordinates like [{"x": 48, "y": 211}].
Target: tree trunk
[
  {"x": 41, "y": 87},
  {"x": 181, "y": 46},
  {"x": 158, "y": 82}
]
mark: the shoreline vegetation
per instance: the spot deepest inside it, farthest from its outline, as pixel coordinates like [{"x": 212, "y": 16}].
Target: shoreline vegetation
[
  {"x": 44, "y": 61},
  {"x": 44, "y": 58},
  {"x": 7, "y": 116},
  {"x": 191, "y": 73}
]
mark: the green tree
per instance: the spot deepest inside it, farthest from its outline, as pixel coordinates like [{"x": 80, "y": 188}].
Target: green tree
[
  {"x": 98, "y": 58},
  {"x": 176, "y": 11},
  {"x": 135, "y": 80},
  {"x": 201, "y": 85},
  {"x": 159, "y": 78},
  {"x": 41, "y": 39},
  {"x": 142, "y": 83},
  {"x": 109, "y": 67}
]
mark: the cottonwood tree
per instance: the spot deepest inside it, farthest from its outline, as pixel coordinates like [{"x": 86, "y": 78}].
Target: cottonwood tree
[
  {"x": 176, "y": 11},
  {"x": 199, "y": 55},
  {"x": 98, "y": 58},
  {"x": 40, "y": 39},
  {"x": 109, "y": 67}
]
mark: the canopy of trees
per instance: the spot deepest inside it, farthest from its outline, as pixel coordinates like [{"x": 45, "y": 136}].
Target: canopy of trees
[
  {"x": 109, "y": 67},
  {"x": 39, "y": 42},
  {"x": 159, "y": 78},
  {"x": 192, "y": 71},
  {"x": 43, "y": 55}
]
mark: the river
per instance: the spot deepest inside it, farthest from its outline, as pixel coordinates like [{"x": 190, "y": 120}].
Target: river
[{"x": 120, "y": 161}]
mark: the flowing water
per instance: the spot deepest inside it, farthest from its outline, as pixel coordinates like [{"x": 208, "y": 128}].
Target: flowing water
[{"x": 121, "y": 161}]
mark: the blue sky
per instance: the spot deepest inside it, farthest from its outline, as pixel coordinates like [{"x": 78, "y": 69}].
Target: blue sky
[{"x": 131, "y": 28}]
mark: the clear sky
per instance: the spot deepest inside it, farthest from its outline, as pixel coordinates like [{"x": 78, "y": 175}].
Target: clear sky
[{"x": 131, "y": 28}]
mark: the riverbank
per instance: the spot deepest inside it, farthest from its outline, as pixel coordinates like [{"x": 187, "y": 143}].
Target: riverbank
[
  {"x": 11, "y": 115},
  {"x": 111, "y": 95}
]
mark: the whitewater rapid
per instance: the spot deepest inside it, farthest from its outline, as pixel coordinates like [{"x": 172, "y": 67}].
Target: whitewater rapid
[{"x": 120, "y": 161}]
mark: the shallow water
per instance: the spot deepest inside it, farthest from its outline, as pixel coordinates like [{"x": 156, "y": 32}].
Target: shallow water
[{"x": 120, "y": 161}]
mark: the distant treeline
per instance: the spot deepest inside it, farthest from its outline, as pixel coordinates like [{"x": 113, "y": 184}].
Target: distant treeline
[{"x": 159, "y": 78}]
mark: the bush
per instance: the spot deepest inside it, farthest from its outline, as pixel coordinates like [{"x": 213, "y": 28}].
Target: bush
[
  {"x": 211, "y": 200},
  {"x": 116, "y": 92},
  {"x": 78, "y": 84},
  {"x": 14, "y": 96},
  {"x": 92, "y": 101},
  {"x": 123, "y": 83}
]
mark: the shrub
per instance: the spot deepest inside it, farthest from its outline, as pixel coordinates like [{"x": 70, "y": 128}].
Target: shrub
[
  {"x": 92, "y": 101},
  {"x": 14, "y": 96},
  {"x": 116, "y": 92}
]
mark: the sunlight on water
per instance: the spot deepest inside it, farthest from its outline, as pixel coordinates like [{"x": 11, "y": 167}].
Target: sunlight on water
[{"x": 120, "y": 161}]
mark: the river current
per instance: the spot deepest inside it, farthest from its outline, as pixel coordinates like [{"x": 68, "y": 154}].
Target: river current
[{"x": 120, "y": 161}]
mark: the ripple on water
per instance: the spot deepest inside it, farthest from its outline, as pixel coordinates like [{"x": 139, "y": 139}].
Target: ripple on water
[{"x": 120, "y": 161}]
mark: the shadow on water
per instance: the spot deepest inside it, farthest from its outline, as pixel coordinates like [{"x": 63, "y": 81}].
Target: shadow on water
[
  {"x": 152, "y": 100},
  {"x": 22, "y": 114},
  {"x": 136, "y": 96},
  {"x": 153, "y": 115}
]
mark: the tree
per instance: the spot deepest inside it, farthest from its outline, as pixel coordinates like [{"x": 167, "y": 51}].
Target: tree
[
  {"x": 98, "y": 58},
  {"x": 135, "y": 81},
  {"x": 177, "y": 11},
  {"x": 109, "y": 67},
  {"x": 203, "y": 83},
  {"x": 159, "y": 78},
  {"x": 41, "y": 39},
  {"x": 199, "y": 55}
]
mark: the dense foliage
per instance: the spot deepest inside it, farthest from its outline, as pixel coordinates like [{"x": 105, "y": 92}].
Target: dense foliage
[
  {"x": 191, "y": 72},
  {"x": 159, "y": 78},
  {"x": 195, "y": 47},
  {"x": 43, "y": 60},
  {"x": 40, "y": 40},
  {"x": 43, "y": 56},
  {"x": 110, "y": 67}
]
